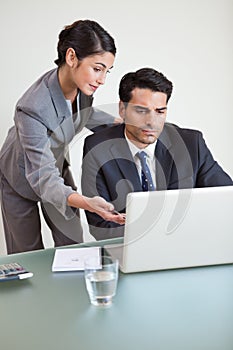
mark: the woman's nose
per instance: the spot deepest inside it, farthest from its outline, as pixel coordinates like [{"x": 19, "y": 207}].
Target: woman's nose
[{"x": 101, "y": 79}]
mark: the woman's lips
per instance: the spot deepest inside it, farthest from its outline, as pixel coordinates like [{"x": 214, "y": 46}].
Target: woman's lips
[{"x": 93, "y": 87}]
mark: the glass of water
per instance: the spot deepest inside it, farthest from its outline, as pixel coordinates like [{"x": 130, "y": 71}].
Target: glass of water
[{"x": 101, "y": 279}]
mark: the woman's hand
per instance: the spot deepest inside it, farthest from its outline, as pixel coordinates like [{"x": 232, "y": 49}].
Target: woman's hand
[
  {"x": 96, "y": 205},
  {"x": 104, "y": 209}
]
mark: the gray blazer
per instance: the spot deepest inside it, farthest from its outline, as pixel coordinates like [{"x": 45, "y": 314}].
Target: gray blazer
[{"x": 36, "y": 147}]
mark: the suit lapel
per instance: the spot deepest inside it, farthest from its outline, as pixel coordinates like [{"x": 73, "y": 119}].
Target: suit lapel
[
  {"x": 58, "y": 98},
  {"x": 85, "y": 109},
  {"x": 163, "y": 161},
  {"x": 64, "y": 116},
  {"x": 121, "y": 154}
]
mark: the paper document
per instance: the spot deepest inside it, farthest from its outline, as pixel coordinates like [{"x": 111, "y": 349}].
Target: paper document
[{"x": 72, "y": 259}]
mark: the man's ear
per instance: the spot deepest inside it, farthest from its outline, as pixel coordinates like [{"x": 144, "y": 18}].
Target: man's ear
[
  {"x": 71, "y": 58},
  {"x": 122, "y": 109}
]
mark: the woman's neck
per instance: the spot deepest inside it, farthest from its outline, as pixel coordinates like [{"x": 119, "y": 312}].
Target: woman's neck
[{"x": 69, "y": 89}]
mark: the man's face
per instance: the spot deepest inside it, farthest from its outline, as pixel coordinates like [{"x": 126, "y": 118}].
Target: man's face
[{"x": 144, "y": 116}]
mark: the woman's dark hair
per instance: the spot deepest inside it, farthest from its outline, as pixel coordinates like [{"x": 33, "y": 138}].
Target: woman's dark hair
[
  {"x": 145, "y": 78},
  {"x": 87, "y": 38}
]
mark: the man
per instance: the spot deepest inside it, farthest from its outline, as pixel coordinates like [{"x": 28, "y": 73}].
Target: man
[{"x": 174, "y": 157}]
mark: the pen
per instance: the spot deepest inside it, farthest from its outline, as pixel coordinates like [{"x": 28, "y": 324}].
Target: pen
[
  {"x": 116, "y": 212},
  {"x": 20, "y": 276}
]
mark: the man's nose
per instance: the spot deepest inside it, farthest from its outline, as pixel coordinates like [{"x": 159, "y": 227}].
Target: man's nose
[{"x": 151, "y": 117}]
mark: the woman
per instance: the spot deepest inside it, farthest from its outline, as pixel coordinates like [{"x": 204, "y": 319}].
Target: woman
[{"x": 34, "y": 160}]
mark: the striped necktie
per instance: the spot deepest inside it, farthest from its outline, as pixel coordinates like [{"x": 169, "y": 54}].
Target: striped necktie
[{"x": 147, "y": 182}]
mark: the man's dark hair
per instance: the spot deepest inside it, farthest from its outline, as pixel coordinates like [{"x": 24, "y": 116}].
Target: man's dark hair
[
  {"x": 145, "y": 78},
  {"x": 87, "y": 38}
]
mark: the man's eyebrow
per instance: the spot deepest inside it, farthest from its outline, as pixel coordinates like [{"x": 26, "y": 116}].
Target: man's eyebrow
[
  {"x": 103, "y": 65},
  {"x": 148, "y": 109},
  {"x": 161, "y": 109},
  {"x": 142, "y": 107}
]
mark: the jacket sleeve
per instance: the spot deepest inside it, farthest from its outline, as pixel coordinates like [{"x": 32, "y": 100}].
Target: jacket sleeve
[
  {"x": 99, "y": 120},
  {"x": 39, "y": 164},
  {"x": 209, "y": 173}
]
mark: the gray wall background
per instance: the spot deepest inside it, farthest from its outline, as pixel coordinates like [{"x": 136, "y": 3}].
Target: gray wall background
[{"x": 191, "y": 42}]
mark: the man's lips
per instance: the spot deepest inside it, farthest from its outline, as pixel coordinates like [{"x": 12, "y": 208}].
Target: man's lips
[{"x": 148, "y": 132}]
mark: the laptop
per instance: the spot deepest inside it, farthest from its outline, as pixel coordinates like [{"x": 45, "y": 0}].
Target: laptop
[{"x": 176, "y": 229}]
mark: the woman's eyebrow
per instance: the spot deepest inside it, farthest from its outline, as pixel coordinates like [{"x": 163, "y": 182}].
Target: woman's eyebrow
[{"x": 103, "y": 65}]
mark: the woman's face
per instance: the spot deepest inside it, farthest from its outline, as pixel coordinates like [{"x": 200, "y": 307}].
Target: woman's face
[{"x": 90, "y": 73}]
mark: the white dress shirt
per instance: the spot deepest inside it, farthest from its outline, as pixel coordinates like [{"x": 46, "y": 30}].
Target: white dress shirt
[
  {"x": 150, "y": 151},
  {"x": 76, "y": 116}
]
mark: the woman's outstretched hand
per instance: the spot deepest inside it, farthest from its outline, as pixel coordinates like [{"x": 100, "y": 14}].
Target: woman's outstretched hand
[
  {"x": 96, "y": 205},
  {"x": 104, "y": 209}
]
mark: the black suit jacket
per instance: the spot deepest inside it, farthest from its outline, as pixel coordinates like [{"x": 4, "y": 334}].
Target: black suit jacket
[{"x": 182, "y": 161}]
